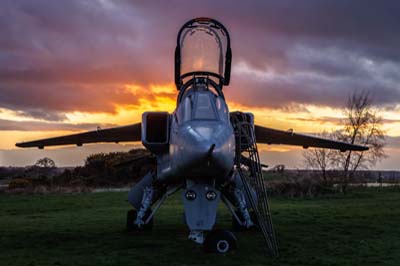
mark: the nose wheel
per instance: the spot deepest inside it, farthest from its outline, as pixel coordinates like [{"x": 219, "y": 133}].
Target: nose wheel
[{"x": 220, "y": 241}]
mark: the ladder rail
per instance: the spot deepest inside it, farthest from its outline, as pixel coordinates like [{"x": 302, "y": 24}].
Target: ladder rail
[{"x": 246, "y": 143}]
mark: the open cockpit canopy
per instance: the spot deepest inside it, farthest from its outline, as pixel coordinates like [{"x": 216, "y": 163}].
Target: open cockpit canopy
[{"x": 203, "y": 49}]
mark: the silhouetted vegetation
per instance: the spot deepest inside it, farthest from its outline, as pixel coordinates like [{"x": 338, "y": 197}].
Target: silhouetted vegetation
[
  {"x": 45, "y": 163},
  {"x": 110, "y": 169},
  {"x": 100, "y": 170},
  {"x": 362, "y": 125}
]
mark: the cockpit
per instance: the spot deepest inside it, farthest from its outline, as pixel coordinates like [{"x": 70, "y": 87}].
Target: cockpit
[
  {"x": 202, "y": 67},
  {"x": 202, "y": 104},
  {"x": 203, "y": 49}
]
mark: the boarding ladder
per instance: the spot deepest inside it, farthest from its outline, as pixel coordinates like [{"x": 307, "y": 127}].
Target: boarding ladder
[{"x": 247, "y": 157}]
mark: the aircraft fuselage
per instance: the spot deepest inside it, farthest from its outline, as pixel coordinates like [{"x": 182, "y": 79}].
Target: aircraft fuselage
[{"x": 201, "y": 138}]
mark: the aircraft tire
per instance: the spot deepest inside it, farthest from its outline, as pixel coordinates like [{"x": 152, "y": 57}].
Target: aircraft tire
[
  {"x": 220, "y": 241},
  {"x": 131, "y": 226}
]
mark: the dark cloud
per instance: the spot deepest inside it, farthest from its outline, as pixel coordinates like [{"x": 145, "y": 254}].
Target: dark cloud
[
  {"x": 324, "y": 119},
  {"x": 279, "y": 89},
  {"x": 47, "y": 97},
  {"x": 7, "y": 125},
  {"x": 77, "y": 55},
  {"x": 42, "y": 114}
]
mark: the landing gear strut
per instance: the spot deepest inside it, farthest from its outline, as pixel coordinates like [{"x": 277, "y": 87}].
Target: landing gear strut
[
  {"x": 236, "y": 226},
  {"x": 131, "y": 217}
]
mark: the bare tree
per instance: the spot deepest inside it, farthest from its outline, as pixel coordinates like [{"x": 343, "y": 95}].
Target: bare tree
[
  {"x": 45, "y": 163},
  {"x": 362, "y": 126},
  {"x": 318, "y": 158}
]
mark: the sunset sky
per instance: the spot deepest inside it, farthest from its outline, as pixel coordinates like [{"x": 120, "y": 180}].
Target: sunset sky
[{"x": 70, "y": 66}]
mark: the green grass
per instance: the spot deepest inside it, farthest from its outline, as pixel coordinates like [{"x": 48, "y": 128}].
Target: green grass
[{"x": 362, "y": 228}]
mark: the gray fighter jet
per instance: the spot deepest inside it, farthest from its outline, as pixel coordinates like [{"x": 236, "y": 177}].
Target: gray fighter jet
[{"x": 202, "y": 148}]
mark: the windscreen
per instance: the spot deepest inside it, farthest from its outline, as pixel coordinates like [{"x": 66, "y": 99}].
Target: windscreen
[
  {"x": 202, "y": 106},
  {"x": 203, "y": 48}
]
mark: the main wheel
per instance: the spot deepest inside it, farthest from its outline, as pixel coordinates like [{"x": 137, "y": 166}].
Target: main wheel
[
  {"x": 130, "y": 221},
  {"x": 220, "y": 241}
]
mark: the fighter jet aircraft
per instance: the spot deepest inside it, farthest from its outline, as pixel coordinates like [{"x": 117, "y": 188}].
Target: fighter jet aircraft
[{"x": 201, "y": 148}]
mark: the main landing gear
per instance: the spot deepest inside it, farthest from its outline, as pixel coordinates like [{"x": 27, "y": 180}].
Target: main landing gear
[
  {"x": 142, "y": 219},
  {"x": 132, "y": 225}
]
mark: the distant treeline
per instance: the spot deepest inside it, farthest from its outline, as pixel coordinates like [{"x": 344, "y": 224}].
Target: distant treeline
[
  {"x": 120, "y": 169},
  {"x": 360, "y": 175},
  {"x": 99, "y": 170},
  {"x": 310, "y": 183}
]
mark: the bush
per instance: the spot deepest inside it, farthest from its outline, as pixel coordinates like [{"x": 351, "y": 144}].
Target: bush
[
  {"x": 299, "y": 187},
  {"x": 19, "y": 183},
  {"x": 113, "y": 169}
]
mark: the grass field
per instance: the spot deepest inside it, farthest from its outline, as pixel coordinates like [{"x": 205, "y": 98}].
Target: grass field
[{"x": 362, "y": 228}]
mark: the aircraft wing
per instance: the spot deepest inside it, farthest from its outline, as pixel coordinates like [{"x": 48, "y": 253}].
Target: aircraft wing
[
  {"x": 116, "y": 134},
  {"x": 274, "y": 136}
]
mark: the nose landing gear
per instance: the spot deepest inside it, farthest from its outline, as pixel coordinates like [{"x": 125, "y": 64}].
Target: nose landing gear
[{"x": 220, "y": 241}]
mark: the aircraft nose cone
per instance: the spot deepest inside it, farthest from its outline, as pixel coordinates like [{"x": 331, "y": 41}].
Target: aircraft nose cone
[
  {"x": 203, "y": 141},
  {"x": 206, "y": 149},
  {"x": 197, "y": 152}
]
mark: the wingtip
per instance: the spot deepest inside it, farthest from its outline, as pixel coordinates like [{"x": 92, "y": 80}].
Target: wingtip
[
  {"x": 362, "y": 148},
  {"x": 26, "y": 145},
  {"x": 21, "y": 145}
]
